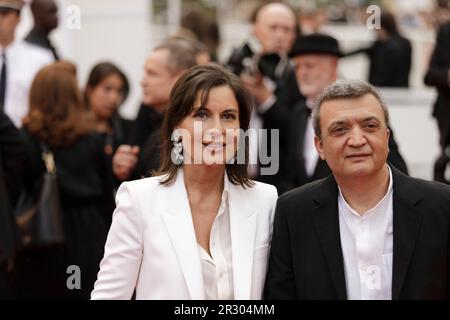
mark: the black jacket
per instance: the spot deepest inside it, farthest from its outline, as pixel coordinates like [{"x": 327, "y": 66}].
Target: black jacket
[
  {"x": 390, "y": 62},
  {"x": 306, "y": 260},
  {"x": 437, "y": 76},
  {"x": 11, "y": 170}
]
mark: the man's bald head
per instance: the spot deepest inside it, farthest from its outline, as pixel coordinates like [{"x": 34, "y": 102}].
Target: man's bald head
[
  {"x": 275, "y": 26},
  {"x": 45, "y": 14}
]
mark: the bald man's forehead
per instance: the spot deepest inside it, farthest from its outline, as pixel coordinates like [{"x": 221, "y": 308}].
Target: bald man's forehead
[{"x": 273, "y": 10}]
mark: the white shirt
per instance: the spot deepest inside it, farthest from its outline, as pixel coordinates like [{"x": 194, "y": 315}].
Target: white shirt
[
  {"x": 309, "y": 149},
  {"x": 367, "y": 246},
  {"x": 23, "y": 61},
  {"x": 217, "y": 269},
  {"x": 256, "y": 124}
]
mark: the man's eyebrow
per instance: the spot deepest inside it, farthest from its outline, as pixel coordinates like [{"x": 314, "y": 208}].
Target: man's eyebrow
[
  {"x": 337, "y": 123},
  {"x": 370, "y": 118}
]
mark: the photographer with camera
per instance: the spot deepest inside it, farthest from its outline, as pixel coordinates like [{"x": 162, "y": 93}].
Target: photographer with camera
[{"x": 264, "y": 67}]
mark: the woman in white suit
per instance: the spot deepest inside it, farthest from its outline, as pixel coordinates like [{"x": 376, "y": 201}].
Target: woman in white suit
[{"x": 200, "y": 228}]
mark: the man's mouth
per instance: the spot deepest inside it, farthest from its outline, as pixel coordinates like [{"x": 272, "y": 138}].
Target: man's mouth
[{"x": 358, "y": 156}]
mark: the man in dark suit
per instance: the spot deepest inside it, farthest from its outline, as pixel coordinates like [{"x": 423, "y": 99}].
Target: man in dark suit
[
  {"x": 438, "y": 75},
  {"x": 264, "y": 67},
  {"x": 165, "y": 65},
  {"x": 390, "y": 55},
  {"x": 367, "y": 231},
  {"x": 316, "y": 59},
  {"x": 11, "y": 161}
]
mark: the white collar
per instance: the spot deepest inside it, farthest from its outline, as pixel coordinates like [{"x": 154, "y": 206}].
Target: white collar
[{"x": 368, "y": 212}]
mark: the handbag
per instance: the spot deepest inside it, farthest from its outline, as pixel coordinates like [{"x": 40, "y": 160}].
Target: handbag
[{"x": 39, "y": 214}]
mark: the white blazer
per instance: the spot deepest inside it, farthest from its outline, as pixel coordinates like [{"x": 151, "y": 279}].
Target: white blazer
[{"x": 152, "y": 247}]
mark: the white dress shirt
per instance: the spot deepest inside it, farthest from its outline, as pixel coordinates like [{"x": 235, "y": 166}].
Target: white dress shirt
[
  {"x": 309, "y": 149},
  {"x": 367, "y": 246},
  {"x": 217, "y": 269},
  {"x": 23, "y": 61},
  {"x": 256, "y": 124}
]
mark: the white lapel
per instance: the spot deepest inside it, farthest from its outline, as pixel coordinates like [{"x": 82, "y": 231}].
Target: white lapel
[
  {"x": 243, "y": 228},
  {"x": 178, "y": 219}
]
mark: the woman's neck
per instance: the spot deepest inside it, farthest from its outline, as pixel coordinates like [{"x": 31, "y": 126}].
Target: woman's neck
[{"x": 204, "y": 179}]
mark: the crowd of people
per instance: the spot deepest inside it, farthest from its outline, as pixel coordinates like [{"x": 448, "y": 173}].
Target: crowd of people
[{"x": 204, "y": 231}]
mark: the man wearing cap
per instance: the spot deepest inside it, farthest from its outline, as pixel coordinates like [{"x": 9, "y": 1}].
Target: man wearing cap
[
  {"x": 366, "y": 232},
  {"x": 315, "y": 58},
  {"x": 19, "y": 62}
]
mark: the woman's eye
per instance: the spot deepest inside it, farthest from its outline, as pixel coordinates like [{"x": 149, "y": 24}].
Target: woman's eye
[
  {"x": 229, "y": 116},
  {"x": 201, "y": 115}
]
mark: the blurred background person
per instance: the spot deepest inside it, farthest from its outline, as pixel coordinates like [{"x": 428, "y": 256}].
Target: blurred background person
[
  {"x": 11, "y": 169},
  {"x": 438, "y": 76},
  {"x": 106, "y": 89},
  {"x": 45, "y": 15},
  {"x": 390, "y": 55},
  {"x": 165, "y": 65},
  {"x": 263, "y": 64},
  {"x": 19, "y": 62},
  {"x": 58, "y": 119},
  {"x": 204, "y": 29},
  {"x": 265, "y": 53}
]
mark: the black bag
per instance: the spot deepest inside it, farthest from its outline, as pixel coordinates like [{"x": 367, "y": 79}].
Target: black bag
[{"x": 39, "y": 214}]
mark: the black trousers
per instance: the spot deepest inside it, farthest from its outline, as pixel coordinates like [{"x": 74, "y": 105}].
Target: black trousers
[{"x": 6, "y": 289}]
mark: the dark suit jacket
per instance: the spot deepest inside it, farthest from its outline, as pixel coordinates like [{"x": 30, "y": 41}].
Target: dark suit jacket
[
  {"x": 437, "y": 76},
  {"x": 296, "y": 172},
  {"x": 390, "y": 61},
  {"x": 306, "y": 260},
  {"x": 11, "y": 170}
]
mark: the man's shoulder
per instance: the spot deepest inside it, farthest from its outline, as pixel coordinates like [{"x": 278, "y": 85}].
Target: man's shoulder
[
  {"x": 33, "y": 54},
  {"x": 426, "y": 188},
  {"x": 305, "y": 193}
]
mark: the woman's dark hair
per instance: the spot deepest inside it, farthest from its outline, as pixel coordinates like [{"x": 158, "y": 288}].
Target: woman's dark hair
[
  {"x": 388, "y": 23},
  {"x": 200, "y": 80},
  {"x": 99, "y": 73}
]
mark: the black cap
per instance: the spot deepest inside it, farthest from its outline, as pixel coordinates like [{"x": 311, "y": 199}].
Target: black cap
[{"x": 315, "y": 43}]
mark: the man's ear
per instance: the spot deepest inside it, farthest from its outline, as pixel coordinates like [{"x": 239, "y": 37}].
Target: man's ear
[{"x": 319, "y": 147}]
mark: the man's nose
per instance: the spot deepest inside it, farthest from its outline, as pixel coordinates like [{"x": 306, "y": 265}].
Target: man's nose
[{"x": 357, "y": 138}]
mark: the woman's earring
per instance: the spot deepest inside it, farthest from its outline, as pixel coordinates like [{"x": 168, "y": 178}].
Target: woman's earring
[{"x": 177, "y": 150}]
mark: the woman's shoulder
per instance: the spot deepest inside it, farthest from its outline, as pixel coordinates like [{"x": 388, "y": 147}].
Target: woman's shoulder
[
  {"x": 143, "y": 187},
  {"x": 261, "y": 192}
]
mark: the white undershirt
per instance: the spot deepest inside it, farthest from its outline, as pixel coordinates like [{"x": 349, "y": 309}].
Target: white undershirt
[
  {"x": 367, "y": 246},
  {"x": 309, "y": 149},
  {"x": 217, "y": 269}
]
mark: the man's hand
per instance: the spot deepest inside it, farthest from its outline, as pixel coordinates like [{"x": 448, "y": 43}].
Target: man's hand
[
  {"x": 257, "y": 87},
  {"x": 124, "y": 161}
]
